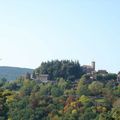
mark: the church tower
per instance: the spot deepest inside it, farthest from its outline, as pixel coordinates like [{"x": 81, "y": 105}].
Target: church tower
[{"x": 93, "y": 65}]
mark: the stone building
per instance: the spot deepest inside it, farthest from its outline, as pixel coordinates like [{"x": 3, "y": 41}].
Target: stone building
[
  {"x": 103, "y": 72},
  {"x": 89, "y": 68},
  {"x": 44, "y": 78},
  {"x": 118, "y": 77}
]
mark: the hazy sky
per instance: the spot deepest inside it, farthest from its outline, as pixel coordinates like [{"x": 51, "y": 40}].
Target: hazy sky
[{"x": 32, "y": 31}]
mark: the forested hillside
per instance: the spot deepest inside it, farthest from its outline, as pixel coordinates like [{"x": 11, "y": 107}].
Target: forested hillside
[
  {"x": 89, "y": 97},
  {"x": 12, "y": 73}
]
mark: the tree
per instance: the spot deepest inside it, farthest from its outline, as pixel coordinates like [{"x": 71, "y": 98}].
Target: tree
[
  {"x": 116, "y": 113},
  {"x": 106, "y": 77},
  {"x": 84, "y": 99},
  {"x": 82, "y": 88},
  {"x": 62, "y": 84},
  {"x": 116, "y": 104},
  {"x": 88, "y": 116},
  {"x": 105, "y": 116},
  {"x": 3, "y": 106},
  {"x": 56, "y": 92},
  {"x": 96, "y": 87},
  {"x": 27, "y": 87},
  {"x": 3, "y": 81},
  {"x": 45, "y": 89},
  {"x": 28, "y": 76}
]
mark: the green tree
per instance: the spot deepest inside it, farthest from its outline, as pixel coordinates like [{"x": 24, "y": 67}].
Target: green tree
[
  {"x": 82, "y": 88},
  {"x": 3, "y": 106},
  {"x": 56, "y": 92},
  {"x": 116, "y": 113},
  {"x": 62, "y": 84},
  {"x": 2, "y": 81},
  {"x": 96, "y": 87}
]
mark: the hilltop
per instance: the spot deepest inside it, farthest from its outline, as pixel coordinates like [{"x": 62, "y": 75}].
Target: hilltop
[{"x": 72, "y": 92}]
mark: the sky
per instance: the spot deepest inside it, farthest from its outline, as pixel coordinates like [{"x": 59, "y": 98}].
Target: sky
[{"x": 32, "y": 31}]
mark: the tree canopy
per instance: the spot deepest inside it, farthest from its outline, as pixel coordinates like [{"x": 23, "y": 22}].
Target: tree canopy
[{"x": 69, "y": 70}]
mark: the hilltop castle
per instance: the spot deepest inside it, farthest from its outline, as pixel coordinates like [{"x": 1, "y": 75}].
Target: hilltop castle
[{"x": 89, "y": 68}]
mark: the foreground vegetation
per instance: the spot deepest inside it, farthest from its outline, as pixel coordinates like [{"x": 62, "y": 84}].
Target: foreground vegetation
[{"x": 68, "y": 98}]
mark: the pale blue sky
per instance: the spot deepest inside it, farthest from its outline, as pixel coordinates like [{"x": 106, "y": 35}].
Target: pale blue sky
[{"x": 32, "y": 31}]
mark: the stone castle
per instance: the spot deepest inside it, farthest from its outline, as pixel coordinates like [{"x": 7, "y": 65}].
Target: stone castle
[{"x": 89, "y": 68}]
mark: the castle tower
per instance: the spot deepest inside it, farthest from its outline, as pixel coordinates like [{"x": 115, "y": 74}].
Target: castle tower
[{"x": 93, "y": 65}]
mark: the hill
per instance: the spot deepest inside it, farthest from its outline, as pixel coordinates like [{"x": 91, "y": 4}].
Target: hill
[
  {"x": 11, "y": 73},
  {"x": 71, "y": 95}
]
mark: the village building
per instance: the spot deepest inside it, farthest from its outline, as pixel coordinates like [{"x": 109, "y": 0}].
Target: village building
[
  {"x": 89, "y": 68},
  {"x": 118, "y": 77},
  {"x": 40, "y": 78},
  {"x": 103, "y": 72}
]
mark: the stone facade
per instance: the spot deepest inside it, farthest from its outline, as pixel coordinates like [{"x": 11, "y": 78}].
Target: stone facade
[
  {"x": 102, "y": 72},
  {"x": 118, "y": 77},
  {"x": 44, "y": 78},
  {"x": 89, "y": 68}
]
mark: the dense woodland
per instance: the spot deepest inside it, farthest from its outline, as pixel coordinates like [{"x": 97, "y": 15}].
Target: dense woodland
[
  {"x": 73, "y": 96},
  {"x": 69, "y": 70}
]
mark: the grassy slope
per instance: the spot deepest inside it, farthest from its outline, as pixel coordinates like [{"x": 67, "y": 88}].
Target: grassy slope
[{"x": 11, "y": 73}]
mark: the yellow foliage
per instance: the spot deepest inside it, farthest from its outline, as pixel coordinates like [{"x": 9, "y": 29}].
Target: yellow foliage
[
  {"x": 74, "y": 111},
  {"x": 10, "y": 99},
  {"x": 61, "y": 112},
  {"x": 9, "y": 118},
  {"x": 55, "y": 118},
  {"x": 26, "y": 82},
  {"x": 104, "y": 109},
  {"x": 73, "y": 104},
  {"x": 84, "y": 99},
  {"x": 7, "y": 93},
  {"x": 101, "y": 109}
]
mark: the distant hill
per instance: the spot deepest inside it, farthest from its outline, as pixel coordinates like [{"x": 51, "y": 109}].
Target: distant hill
[{"x": 11, "y": 73}]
